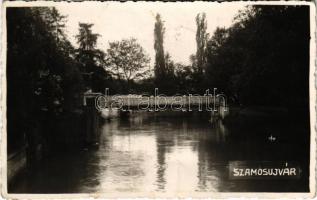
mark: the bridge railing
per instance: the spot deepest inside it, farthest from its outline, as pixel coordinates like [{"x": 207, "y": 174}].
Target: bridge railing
[
  {"x": 138, "y": 100},
  {"x": 158, "y": 100},
  {"x": 152, "y": 101}
]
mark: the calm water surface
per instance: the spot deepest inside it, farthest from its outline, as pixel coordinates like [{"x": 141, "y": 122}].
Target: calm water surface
[{"x": 175, "y": 153}]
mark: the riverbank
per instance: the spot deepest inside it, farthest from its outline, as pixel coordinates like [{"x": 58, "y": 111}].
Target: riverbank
[
  {"x": 69, "y": 131},
  {"x": 252, "y": 114}
]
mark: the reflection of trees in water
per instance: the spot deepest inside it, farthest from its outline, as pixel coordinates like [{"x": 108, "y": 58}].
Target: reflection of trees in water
[
  {"x": 164, "y": 142},
  {"x": 212, "y": 158},
  {"x": 208, "y": 140},
  {"x": 212, "y": 143},
  {"x": 221, "y": 132},
  {"x": 161, "y": 151},
  {"x": 202, "y": 169}
]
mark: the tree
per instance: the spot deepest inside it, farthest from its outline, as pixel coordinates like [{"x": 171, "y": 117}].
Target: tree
[
  {"x": 44, "y": 82},
  {"x": 128, "y": 60},
  {"x": 169, "y": 65},
  {"x": 184, "y": 79},
  {"x": 55, "y": 24},
  {"x": 169, "y": 84},
  {"x": 263, "y": 58},
  {"x": 91, "y": 59},
  {"x": 201, "y": 41},
  {"x": 86, "y": 39},
  {"x": 87, "y": 51},
  {"x": 218, "y": 70},
  {"x": 159, "y": 68}
]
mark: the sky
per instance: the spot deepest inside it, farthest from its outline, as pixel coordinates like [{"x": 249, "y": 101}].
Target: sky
[{"x": 116, "y": 21}]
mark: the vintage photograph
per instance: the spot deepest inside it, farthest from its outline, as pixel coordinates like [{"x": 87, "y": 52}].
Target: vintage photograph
[{"x": 150, "y": 99}]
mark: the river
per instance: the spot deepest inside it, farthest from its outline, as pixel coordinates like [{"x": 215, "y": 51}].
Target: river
[{"x": 169, "y": 152}]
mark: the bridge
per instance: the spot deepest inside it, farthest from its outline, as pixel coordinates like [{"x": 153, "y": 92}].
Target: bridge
[
  {"x": 214, "y": 104},
  {"x": 96, "y": 103}
]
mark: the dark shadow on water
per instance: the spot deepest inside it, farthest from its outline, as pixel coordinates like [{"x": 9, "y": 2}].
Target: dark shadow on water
[{"x": 173, "y": 152}]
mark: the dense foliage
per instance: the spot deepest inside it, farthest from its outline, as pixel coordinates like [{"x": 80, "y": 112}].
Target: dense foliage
[
  {"x": 42, "y": 74},
  {"x": 263, "y": 58}
]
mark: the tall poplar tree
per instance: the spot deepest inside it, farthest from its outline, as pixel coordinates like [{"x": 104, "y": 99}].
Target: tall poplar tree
[
  {"x": 201, "y": 41},
  {"x": 159, "y": 68}
]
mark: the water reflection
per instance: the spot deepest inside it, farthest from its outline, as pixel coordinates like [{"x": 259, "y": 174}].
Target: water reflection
[{"x": 148, "y": 152}]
